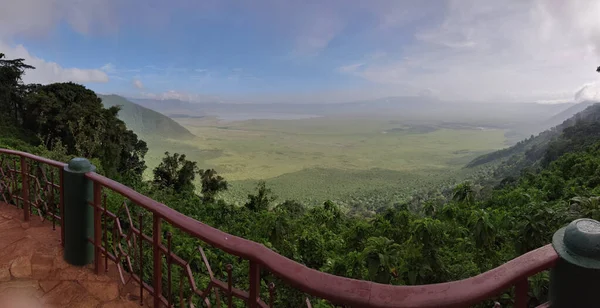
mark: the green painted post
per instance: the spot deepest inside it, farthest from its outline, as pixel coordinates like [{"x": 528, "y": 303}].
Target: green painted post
[
  {"x": 78, "y": 214},
  {"x": 574, "y": 280}
]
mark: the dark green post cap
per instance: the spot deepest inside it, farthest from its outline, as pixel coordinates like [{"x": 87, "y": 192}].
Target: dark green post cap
[
  {"x": 579, "y": 243},
  {"x": 79, "y": 164}
]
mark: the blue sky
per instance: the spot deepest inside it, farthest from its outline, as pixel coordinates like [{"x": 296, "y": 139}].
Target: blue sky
[{"x": 317, "y": 51}]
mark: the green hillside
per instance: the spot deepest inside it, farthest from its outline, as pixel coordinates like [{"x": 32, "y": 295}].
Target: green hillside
[
  {"x": 144, "y": 121},
  {"x": 538, "y": 151},
  {"x": 569, "y": 112}
]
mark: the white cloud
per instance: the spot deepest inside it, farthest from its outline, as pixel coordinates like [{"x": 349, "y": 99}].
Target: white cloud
[
  {"x": 555, "y": 101},
  {"x": 180, "y": 95},
  {"x": 588, "y": 92},
  {"x": 538, "y": 50},
  {"x": 498, "y": 50},
  {"x": 49, "y": 72},
  {"x": 350, "y": 68},
  {"x": 36, "y": 18},
  {"x": 108, "y": 67},
  {"x": 138, "y": 84},
  {"x": 316, "y": 34}
]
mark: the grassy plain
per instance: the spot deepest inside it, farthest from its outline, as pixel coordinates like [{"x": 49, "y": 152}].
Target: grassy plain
[{"x": 338, "y": 158}]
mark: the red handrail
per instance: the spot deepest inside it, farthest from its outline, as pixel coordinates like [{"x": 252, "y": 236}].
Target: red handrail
[
  {"x": 341, "y": 290},
  {"x": 346, "y": 290},
  {"x": 34, "y": 157}
]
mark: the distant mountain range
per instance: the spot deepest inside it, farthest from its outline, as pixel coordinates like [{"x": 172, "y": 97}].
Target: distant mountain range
[
  {"x": 415, "y": 107},
  {"x": 170, "y": 106},
  {"x": 144, "y": 121}
]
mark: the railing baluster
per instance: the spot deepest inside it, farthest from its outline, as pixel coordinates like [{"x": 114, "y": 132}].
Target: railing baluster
[
  {"x": 52, "y": 200},
  {"x": 308, "y": 304},
  {"x": 62, "y": 206},
  {"x": 156, "y": 254},
  {"x": 97, "y": 226},
  {"x": 229, "y": 268},
  {"x": 271, "y": 294},
  {"x": 254, "y": 284},
  {"x": 25, "y": 188},
  {"x": 13, "y": 195},
  {"x": 181, "y": 289},
  {"x": 141, "y": 261},
  {"x": 521, "y": 296},
  {"x": 169, "y": 278},
  {"x": 105, "y": 235}
]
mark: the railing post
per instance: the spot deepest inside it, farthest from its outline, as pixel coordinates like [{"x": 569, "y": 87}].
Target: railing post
[
  {"x": 25, "y": 188},
  {"x": 78, "y": 216},
  {"x": 254, "y": 285},
  {"x": 156, "y": 254},
  {"x": 574, "y": 279}
]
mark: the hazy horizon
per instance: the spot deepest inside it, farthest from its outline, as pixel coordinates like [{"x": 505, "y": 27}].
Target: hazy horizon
[{"x": 432, "y": 99}]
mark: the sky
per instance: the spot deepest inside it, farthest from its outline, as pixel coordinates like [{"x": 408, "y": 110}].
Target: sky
[{"x": 311, "y": 51}]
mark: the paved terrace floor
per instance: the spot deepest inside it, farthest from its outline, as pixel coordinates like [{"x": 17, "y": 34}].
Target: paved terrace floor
[{"x": 33, "y": 273}]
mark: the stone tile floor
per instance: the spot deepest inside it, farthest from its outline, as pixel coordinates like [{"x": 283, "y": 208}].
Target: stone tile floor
[{"x": 33, "y": 273}]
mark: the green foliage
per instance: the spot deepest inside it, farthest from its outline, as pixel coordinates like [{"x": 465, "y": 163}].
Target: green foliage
[
  {"x": 464, "y": 193},
  {"x": 12, "y": 89},
  {"x": 261, "y": 200},
  {"x": 212, "y": 184},
  {"x": 69, "y": 119},
  {"x": 176, "y": 172}
]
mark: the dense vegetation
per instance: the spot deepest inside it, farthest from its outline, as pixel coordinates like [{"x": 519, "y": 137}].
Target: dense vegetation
[{"x": 541, "y": 184}]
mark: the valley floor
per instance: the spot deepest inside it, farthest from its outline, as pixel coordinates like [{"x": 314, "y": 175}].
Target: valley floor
[{"x": 338, "y": 158}]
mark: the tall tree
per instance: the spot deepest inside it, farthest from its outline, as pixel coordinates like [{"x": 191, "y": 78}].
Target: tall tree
[
  {"x": 75, "y": 116},
  {"x": 464, "y": 193},
  {"x": 12, "y": 89},
  {"x": 212, "y": 183},
  {"x": 261, "y": 200},
  {"x": 176, "y": 172}
]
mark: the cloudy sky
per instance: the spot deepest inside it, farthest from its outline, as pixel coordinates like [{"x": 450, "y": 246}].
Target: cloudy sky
[{"x": 311, "y": 50}]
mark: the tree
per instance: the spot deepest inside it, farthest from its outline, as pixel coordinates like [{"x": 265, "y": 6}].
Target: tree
[
  {"x": 75, "y": 116},
  {"x": 12, "y": 89},
  {"x": 291, "y": 208},
  {"x": 132, "y": 164},
  {"x": 464, "y": 193},
  {"x": 176, "y": 172},
  {"x": 261, "y": 200},
  {"x": 382, "y": 256},
  {"x": 483, "y": 228},
  {"x": 588, "y": 206},
  {"x": 212, "y": 184}
]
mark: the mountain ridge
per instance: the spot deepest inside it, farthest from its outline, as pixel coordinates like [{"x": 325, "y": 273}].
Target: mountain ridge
[
  {"x": 145, "y": 121},
  {"x": 536, "y": 150}
]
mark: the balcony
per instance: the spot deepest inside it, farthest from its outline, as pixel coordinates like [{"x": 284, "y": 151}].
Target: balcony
[
  {"x": 133, "y": 262},
  {"x": 33, "y": 272}
]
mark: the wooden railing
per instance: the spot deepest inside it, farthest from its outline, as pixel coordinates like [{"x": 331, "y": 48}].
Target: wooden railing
[{"x": 148, "y": 258}]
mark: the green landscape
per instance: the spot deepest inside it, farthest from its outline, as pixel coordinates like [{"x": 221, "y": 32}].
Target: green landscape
[
  {"x": 358, "y": 161},
  {"x": 325, "y": 158},
  {"x": 379, "y": 198}
]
